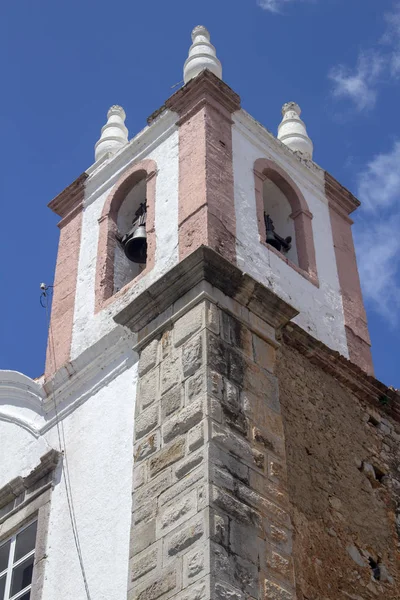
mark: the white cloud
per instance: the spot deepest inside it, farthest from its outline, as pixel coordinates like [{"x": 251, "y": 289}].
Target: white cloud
[
  {"x": 379, "y": 183},
  {"x": 391, "y": 38},
  {"x": 375, "y": 66},
  {"x": 358, "y": 85},
  {"x": 377, "y": 233},
  {"x": 274, "y": 6}
]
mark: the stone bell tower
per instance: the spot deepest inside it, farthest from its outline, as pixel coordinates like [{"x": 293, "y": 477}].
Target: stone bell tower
[{"x": 245, "y": 250}]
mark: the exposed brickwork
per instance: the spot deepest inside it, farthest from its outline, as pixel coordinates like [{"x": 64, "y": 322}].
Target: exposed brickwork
[
  {"x": 67, "y": 205},
  {"x": 343, "y": 462},
  {"x": 210, "y": 505}
]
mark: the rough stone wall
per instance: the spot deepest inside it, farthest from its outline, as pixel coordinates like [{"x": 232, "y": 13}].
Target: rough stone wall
[
  {"x": 343, "y": 460},
  {"x": 210, "y": 505}
]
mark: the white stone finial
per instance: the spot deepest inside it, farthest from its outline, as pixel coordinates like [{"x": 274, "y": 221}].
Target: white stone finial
[
  {"x": 202, "y": 55},
  {"x": 292, "y": 131},
  {"x": 114, "y": 134}
]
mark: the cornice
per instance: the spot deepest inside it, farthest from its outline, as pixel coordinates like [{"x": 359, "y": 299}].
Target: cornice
[
  {"x": 204, "y": 264},
  {"x": 203, "y": 89},
  {"x": 340, "y": 198},
  {"x": 82, "y": 377},
  {"x": 12, "y": 490},
  {"x": 364, "y": 386},
  {"x": 70, "y": 200}
]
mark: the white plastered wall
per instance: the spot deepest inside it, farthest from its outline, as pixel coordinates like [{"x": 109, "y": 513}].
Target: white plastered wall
[
  {"x": 321, "y": 309},
  {"x": 98, "y": 422},
  {"x": 158, "y": 142}
]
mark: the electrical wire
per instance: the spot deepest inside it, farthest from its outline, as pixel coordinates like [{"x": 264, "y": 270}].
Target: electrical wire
[{"x": 44, "y": 301}]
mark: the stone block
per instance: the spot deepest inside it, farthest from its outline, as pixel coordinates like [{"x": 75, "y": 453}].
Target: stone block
[
  {"x": 261, "y": 391},
  {"x": 148, "y": 389},
  {"x": 177, "y": 512},
  {"x": 217, "y": 355},
  {"x": 170, "y": 373},
  {"x": 187, "y": 325},
  {"x": 195, "y": 386},
  {"x": 144, "y": 513},
  {"x": 183, "y": 486},
  {"x": 212, "y": 317},
  {"x": 235, "y": 444},
  {"x": 262, "y": 504},
  {"x": 166, "y": 344},
  {"x": 246, "y": 575},
  {"x": 196, "y": 437},
  {"x": 197, "y": 591},
  {"x": 167, "y": 456},
  {"x": 171, "y": 401},
  {"x": 152, "y": 490},
  {"x": 160, "y": 586},
  {"x": 192, "y": 356},
  {"x": 264, "y": 354},
  {"x": 143, "y": 563},
  {"x": 282, "y": 565},
  {"x": 273, "y": 591},
  {"x": 183, "y": 421},
  {"x": 245, "y": 542},
  {"x": 193, "y": 566},
  {"x": 146, "y": 421},
  {"x": 219, "y": 528},
  {"x": 221, "y": 563},
  {"x": 202, "y": 497},
  {"x": 139, "y": 475},
  {"x": 215, "y": 384},
  {"x": 280, "y": 537},
  {"x": 142, "y": 536},
  {"x": 236, "y": 334},
  {"x": 147, "y": 446},
  {"x": 224, "y": 591},
  {"x": 184, "y": 467},
  {"x": 148, "y": 357},
  {"x": 229, "y": 463},
  {"x": 235, "y": 508},
  {"x": 176, "y": 542},
  {"x": 275, "y": 492}
]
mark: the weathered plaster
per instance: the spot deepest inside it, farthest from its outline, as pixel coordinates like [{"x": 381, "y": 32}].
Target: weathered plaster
[
  {"x": 89, "y": 327},
  {"x": 321, "y": 310}
]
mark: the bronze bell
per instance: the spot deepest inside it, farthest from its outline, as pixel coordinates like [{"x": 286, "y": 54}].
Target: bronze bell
[
  {"x": 134, "y": 242},
  {"x": 271, "y": 238}
]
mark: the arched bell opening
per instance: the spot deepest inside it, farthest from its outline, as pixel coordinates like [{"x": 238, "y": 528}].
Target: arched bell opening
[
  {"x": 123, "y": 217},
  {"x": 279, "y": 225},
  {"x": 131, "y": 250},
  {"x": 284, "y": 219}
]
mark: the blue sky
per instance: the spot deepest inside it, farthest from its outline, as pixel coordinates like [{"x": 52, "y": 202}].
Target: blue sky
[{"x": 64, "y": 64}]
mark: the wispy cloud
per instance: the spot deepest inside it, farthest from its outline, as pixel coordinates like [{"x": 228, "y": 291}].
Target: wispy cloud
[
  {"x": 374, "y": 66},
  {"x": 391, "y": 38},
  {"x": 274, "y": 6},
  {"x": 359, "y": 84},
  {"x": 377, "y": 233}
]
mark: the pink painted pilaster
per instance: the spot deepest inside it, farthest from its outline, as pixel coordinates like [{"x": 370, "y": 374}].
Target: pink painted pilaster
[
  {"x": 341, "y": 204},
  {"x": 67, "y": 205},
  {"x": 206, "y": 196}
]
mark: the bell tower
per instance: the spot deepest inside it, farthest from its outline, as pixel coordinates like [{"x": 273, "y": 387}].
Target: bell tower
[{"x": 185, "y": 254}]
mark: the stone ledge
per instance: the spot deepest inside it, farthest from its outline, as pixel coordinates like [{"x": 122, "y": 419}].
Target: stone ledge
[
  {"x": 17, "y": 486},
  {"x": 204, "y": 264}
]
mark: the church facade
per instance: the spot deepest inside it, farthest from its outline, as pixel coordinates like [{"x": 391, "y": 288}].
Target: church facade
[{"x": 208, "y": 424}]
